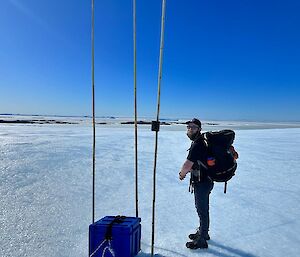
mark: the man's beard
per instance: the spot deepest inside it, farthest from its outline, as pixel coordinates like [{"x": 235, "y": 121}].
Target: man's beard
[{"x": 192, "y": 136}]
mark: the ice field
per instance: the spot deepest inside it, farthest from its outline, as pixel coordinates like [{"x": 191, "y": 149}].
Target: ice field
[{"x": 46, "y": 191}]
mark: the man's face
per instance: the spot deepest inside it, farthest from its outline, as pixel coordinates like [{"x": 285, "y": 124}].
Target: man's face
[{"x": 192, "y": 130}]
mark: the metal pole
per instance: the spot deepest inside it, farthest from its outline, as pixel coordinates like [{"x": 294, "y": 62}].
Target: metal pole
[
  {"x": 157, "y": 118},
  {"x": 93, "y": 108},
  {"x": 135, "y": 111}
]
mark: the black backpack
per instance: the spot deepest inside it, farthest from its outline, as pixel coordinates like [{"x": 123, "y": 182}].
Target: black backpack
[{"x": 221, "y": 163}]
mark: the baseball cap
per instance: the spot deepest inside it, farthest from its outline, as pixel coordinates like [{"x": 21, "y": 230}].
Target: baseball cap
[{"x": 195, "y": 121}]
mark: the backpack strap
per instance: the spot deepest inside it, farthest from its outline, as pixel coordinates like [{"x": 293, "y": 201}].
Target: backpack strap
[
  {"x": 225, "y": 187},
  {"x": 201, "y": 164},
  {"x": 204, "y": 135}
]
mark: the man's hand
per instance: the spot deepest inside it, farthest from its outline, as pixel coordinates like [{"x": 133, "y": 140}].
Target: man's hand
[{"x": 182, "y": 175}]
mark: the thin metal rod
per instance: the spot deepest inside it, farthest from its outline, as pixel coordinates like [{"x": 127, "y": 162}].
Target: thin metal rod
[
  {"x": 154, "y": 194},
  {"x": 135, "y": 111},
  {"x": 93, "y": 108},
  {"x": 157, "y": 117},
  {"x": 161, "y": 57}
]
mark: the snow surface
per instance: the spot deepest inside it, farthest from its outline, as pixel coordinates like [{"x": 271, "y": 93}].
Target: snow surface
[{"x": 46, "y": 178}]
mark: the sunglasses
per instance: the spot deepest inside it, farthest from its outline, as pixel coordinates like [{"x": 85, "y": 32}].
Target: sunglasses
[{"x": 192, "y": 127}]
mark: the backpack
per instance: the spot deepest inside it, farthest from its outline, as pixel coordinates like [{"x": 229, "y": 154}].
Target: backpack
[{"x": 221, "y": 162}]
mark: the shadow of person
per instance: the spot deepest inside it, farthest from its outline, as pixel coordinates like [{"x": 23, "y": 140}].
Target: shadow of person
[
  {"x": 225, "y": 251},
  {"x": 230, "y": 251}
]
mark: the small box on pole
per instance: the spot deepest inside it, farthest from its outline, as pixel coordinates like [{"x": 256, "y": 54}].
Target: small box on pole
[{"x": 155, "y": 126}]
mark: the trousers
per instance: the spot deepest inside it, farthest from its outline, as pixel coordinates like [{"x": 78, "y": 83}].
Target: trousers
[{"x": 202, "y": 191}]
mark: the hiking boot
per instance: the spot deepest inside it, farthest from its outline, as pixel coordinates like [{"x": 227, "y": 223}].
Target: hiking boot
[
  {"x": 197, "y": 234},
  {"x": 200, "y": 242}
]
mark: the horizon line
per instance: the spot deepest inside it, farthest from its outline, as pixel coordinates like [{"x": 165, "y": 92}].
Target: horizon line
[{"x": 147, "y": 117}]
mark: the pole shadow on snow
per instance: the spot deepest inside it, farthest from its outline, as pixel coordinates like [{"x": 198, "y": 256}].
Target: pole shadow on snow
[
  {"x": 149, "y": 254},
  {"x": 160, "y": 255},
  {"x": 231, "y": 252},
  {"x": 173, "y": 253},
  {"x": 170, "y": 251}
]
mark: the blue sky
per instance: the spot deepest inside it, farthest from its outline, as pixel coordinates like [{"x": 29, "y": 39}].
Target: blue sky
[{"x": 225, "y": 60}]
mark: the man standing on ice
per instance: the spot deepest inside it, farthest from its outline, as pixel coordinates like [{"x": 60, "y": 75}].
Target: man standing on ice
[{"x": 201, "y": 184}]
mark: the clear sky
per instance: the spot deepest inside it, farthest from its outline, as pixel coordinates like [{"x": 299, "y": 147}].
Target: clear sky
[{"x": 227, "y": 60}]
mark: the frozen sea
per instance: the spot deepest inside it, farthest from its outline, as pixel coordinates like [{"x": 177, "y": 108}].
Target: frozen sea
[{"x": 46, "y": 191}]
